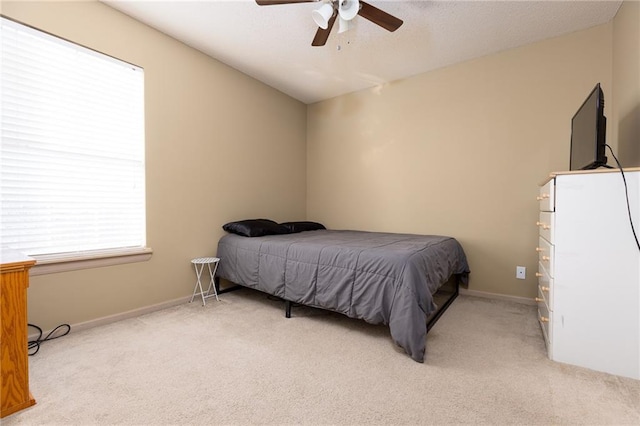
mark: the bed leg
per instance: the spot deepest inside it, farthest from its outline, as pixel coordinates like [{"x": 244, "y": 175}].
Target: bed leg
[{"x": 287, "y": 308}]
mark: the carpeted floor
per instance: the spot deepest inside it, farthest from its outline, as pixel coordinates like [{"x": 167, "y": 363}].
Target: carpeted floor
[{"x": 240, "y": 361}]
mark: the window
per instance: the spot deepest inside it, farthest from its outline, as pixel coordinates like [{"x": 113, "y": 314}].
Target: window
[{"x": 72, "y": 156}]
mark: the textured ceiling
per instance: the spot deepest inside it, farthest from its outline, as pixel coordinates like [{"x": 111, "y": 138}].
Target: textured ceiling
[{"x": 273, "y": 43}]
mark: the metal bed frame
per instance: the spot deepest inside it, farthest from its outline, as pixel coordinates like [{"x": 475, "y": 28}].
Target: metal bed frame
[{"x": 443, "y": 298}]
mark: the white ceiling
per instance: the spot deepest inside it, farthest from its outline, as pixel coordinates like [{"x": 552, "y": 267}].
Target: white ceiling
[{"x": 273, "y": 43}]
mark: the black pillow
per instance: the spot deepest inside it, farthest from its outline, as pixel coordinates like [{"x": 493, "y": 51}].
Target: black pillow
[
  {"x": 255, "y": 228},
  {"x": 294, "y": 227}
]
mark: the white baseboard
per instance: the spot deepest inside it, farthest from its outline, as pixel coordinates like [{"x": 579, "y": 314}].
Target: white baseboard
[
  {"x": 168, "y": 304},
  {"x": 119, "y": 316},
  {"x": 516, "y": 299}
]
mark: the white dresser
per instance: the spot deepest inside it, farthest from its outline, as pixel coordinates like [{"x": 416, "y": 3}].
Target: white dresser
[{"x": 589, "y": 270}]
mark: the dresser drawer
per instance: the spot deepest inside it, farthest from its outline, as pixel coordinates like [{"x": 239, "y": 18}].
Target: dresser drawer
[
  {"x": 545, "y": 255},
  {"x": 545, "y": 285},
  {"x": 547, "y": 197},
  {"x": 546, "y": 225},
  {"x": 545, "y": 318}
]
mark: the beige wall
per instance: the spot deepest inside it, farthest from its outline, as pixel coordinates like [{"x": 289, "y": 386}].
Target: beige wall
[
  {"x": 626, "y": 84},
  {"x": 219, "y": 146},
  {"x": 458, "y": 151}
]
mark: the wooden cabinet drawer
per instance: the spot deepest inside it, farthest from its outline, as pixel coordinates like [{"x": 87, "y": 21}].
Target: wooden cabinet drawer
[
  {"x": 545, "y": 255},
  {"x": 544, "y": 318},
  {"x": 546, "y": 225},
  {"x": 546, "y": 197},
  {"x": 545, "y": 285}
]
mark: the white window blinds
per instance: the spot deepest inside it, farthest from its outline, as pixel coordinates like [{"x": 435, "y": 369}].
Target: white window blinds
[{"x": 72, "y": 154}]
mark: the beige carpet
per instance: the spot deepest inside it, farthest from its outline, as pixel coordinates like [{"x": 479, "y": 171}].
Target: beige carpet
[{"x": 239, "y": 361}]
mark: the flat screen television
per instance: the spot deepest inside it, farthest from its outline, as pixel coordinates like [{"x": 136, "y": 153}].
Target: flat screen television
[{"x": 588, "y": 128}]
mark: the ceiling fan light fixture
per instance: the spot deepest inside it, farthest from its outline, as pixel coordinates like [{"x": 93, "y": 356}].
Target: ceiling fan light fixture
[
  {"x": 348, "y": 9},
  {"x": 344, "y": 11},
  {"x": 322, "y": 15},
  {"x": 343, "y": 25}
]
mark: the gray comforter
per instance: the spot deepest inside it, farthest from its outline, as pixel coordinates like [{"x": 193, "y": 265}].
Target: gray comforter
[{"x": 378, "y": 277}]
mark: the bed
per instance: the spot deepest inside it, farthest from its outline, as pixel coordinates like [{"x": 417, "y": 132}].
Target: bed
[{"x": 381, "y": 278}]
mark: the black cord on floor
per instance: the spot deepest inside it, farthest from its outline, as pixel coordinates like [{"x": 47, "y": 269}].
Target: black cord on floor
[
  {"x": 626, "y": 192},
  {"x": 36, "y": 343}
]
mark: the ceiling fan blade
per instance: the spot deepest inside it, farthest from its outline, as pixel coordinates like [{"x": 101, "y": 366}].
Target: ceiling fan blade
[
  {"x": 272, "y": 2},
  {"x": 377, "y": 16},
  {"x": 321, "y": 36}
]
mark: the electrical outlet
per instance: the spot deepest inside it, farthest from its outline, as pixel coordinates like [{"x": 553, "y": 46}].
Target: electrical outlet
[{"x": 521, "y": 272}]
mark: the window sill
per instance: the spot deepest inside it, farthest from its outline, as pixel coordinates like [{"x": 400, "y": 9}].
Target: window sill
[{"x": 51, "y": 264}]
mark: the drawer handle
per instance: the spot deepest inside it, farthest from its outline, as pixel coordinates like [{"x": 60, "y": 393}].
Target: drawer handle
[
  {"x": 543, "y": 288},
  {"x": 539, "y": 299},
  {"x": 539, "y": 249},
  {"x": 546, "y": 258},
  {"x": 542, "y": 197},
  {"x": 539, "y": 274},
  {"x": 544, "y": 225},
  {"x": 544, "y": 319}
]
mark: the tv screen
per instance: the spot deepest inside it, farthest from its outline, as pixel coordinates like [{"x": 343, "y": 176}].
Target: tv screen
[{"x": 588, "y": 128}]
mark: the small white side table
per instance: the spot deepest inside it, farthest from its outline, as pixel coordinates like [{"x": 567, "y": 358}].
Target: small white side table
[{"x": 198, "y": 264}]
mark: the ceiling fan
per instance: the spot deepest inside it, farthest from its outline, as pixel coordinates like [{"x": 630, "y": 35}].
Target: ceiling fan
[{"x": 344, "y": 11}]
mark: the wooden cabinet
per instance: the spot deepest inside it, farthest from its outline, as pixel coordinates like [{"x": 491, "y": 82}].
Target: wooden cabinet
[
  {"x": 14, "y": 280},
  {"x": 589, "y": 270}
]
